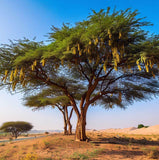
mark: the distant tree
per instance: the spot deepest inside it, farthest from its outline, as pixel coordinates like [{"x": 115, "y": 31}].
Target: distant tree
[
  {"x": 109, "y": 55},
  {"x": 47, "y": 98},
  {"x": 16, "y": 128},
  {"x": 142, "y": 126}
]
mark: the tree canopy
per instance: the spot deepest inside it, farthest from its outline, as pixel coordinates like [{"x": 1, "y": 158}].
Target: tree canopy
[
  {"x": 50, "y": 97},
  {"x": 108, "y": 57},
  {"x": 16, "y": 128}
]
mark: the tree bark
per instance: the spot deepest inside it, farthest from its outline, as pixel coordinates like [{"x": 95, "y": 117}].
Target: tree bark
[{"x": 80, "y": 134}]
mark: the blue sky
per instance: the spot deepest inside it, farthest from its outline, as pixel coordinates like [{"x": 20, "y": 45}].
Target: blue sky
[{"x": 33, "y": 18}]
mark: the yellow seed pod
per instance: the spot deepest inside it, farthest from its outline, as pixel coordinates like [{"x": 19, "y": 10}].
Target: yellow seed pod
[
  {"x": 42, "y": 62},
  {"x": 110, "y": 43},
  {"x": 80, "y": 52},
  {"x": 21, "y": 74},
  {"x": 109, "y": 33},
  {"x": 32, "y": 67},
  {"x": 11, "y": 76},
  {"x": 35, "y": 63},
  {"x": 89, "y": 51},
  {"x": 115, "y": 62},
  {"x": 68, "y": 48},
  {"x": 15, "y": 72},
  {"x": 90, "y": 42},
  {"x": 24, "y": 83},
  {"x": 115, "y": 68},
  {"x": 6, "y": 73},
  {"x": 120, "y": 35},
  {"x": 74, "y": 50},
  {"x": 78, "y": 46},
  {"x": 137, "y": 62},
  {"x": 96, "y": 41},
  {"x": 151, "y": 64},
  {"x": 139, "y": 67},
  {"x": 105, "y": 66},
  {"x": 117, "y": 57},
  {"x": 147, "y": 68},
  {"x": 90, "y": 60}
]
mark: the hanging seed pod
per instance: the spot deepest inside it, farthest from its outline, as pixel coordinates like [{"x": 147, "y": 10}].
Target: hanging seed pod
[
  {"x": 80, "y": 52},
  {"x": 89, "y": 60},
  {"x": 68, "y": 48},
  {"x": 120, "y": 35},
  {"x": 6, "y": 74},
  {"x": 74, "y": 50},
  {"x": 110, "y": 42},
  {"x": 96, "y": 41},
  {"x": 42, "y": 62},
  {"x": 115, "y": 68},
  {"x": 90, "y": 42},
  {"x": 105, "y": 66},
  {"x": 147, "y": 68},
  {"x": 78, "y": 46},
  {"x": 11, "y": 76},
  {"x": 15, "y": 72},
  {"x": 21, "y": 75},
  {"x": 35, "y": 63},
  {"x": 24, "y": 83},
  {"x": 89, "y": 51},
  {"x": 139, "y": 67},
  {"x": 32, "y": 67}
]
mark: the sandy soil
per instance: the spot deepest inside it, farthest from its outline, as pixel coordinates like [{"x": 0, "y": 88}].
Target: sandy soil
[
  {"x": 152, "y": 130},
  {"x": 102, "y": 146}
]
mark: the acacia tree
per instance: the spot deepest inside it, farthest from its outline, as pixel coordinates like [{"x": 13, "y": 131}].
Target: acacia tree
[
  {"x": 109, "y": 54},
  {"x": 16, "y": 128},
  {"x": 47, "y": 98}
]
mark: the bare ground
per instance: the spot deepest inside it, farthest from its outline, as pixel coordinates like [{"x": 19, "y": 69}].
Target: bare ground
[{"x": 102, "y": 146}]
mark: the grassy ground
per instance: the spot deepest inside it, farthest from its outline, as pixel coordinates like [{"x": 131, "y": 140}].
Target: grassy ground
[{"x": 101, "y": 146}]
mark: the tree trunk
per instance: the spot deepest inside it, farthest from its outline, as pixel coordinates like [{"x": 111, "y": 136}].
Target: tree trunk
[
  {"x": 69, "y": 128},
  {"x": 65, "y": 124},
  {"x": 80, "y": 134}
]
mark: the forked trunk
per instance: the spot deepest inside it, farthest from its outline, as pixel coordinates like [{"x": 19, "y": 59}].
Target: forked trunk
[{"x": 80, "y": 134}]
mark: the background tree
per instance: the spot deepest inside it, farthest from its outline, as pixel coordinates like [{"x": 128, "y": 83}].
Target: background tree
[
  {"x": 47, "y": 98},
  {"x": 104, "y": 54},
  {"x": 16, "y": 128}
]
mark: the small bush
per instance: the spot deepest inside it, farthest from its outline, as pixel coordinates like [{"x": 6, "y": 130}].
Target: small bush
[
  {"x": 30, "y": 156},
  {"x": 140, "y": 126}
]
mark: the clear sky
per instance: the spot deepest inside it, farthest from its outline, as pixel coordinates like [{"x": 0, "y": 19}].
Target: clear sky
[{"x": 30, "y": 18}]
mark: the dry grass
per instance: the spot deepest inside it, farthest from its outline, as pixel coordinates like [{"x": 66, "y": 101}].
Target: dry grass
[{"x": 102, "y": 147}]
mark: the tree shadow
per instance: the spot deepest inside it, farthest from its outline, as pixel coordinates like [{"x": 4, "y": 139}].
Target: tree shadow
[{"x": 124, "y": 141}]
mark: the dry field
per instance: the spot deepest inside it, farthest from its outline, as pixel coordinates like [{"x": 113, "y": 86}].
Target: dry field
[{"x": 102, "y": 146}]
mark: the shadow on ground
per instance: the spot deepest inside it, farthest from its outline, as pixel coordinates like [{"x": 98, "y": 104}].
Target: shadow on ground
[{"x": 125, "y": 141}]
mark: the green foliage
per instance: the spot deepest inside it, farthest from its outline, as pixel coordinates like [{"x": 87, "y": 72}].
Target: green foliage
[
  {"x": 16, "y": 128},
  {"x": 142, "y": 126}
]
